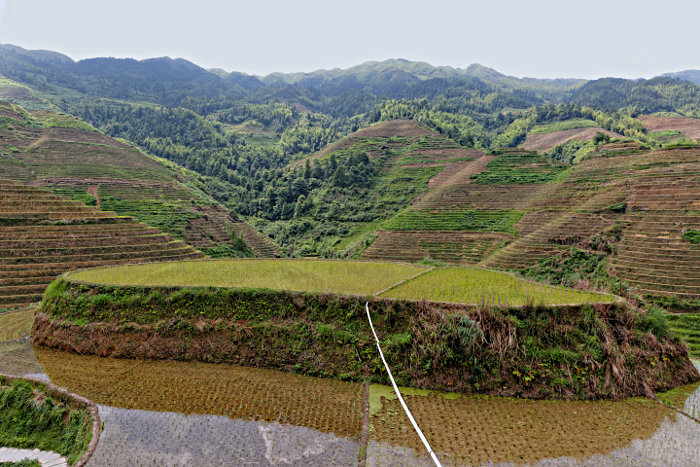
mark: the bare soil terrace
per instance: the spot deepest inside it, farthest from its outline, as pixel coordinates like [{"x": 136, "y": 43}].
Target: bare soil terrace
[
  {"x": 689, "y": 126},
  {"x": 547, "y": 141}
]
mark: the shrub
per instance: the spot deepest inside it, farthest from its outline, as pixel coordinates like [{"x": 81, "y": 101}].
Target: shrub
[
  {"x": 655, "y": 321},
  {"x": 693, "y": 236},
  {"x": 601, "y": 138}
]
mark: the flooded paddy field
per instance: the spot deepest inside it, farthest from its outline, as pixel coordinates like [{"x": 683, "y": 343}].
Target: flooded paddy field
[{"x": 200, "y": 414}]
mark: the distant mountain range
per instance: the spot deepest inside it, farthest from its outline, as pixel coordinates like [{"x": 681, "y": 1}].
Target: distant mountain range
[
  {"x": 367, "y": 70},
  {"x": 688, "y": 75},
  {"x": 56, "y": 80}
]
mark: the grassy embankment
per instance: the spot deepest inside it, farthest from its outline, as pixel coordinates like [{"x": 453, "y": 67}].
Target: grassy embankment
[
  {"x": 573, "y": 352},
  {"x": 24, "y": 463},
  {"x": 30, "y": 419}
]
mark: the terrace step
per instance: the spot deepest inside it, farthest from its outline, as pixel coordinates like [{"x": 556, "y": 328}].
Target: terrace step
[
  {"x": 47, "y": 235},
  {"x": 72, "y": 242},
  {"x": 451, "y": 247},
  {"x": 20, "y": 301},
  {"x": 261, "y": 245},
  {"x": 548, "y": 240},
  {"x": 26, "y": 280},
  {"x": 22, "y": 290},
  {"x": 117, "y": 253},
  {"x": 43, "y": 236}
]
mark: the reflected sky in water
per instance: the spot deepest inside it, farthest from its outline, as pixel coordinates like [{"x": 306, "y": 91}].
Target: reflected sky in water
[{"x": 143, "y": 438}]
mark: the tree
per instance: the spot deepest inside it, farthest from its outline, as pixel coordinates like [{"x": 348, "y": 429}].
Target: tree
[
  {"x": 339, "y": 178},
  {"x": 600, "y": 138}
]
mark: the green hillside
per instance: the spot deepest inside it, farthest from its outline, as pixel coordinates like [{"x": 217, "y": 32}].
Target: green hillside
[{"x": 74, "y": 160}]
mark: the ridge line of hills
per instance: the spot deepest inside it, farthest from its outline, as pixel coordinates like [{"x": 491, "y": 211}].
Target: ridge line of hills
[{"x": 549, "y": 182}]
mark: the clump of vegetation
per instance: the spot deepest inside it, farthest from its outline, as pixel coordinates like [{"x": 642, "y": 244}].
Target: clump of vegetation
[
  {"x": 572, "y": 151},
  {"x": 24, "y": 463},
  {"x": 571, "y": 268},
  {"x": 29, "y": 419},
  {"x": 601, "y": 138},
  {"x": 237, "y": 249},
  {"x": 655, "y": 321},
  {"x": 693, "y": 236}
]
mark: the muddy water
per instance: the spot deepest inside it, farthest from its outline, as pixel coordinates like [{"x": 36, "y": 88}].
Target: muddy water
[
  {"x": 197, "y": 414},
  {"x": 479, "y": 431}
]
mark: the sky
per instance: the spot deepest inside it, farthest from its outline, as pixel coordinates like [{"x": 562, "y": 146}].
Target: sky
[{"x": 536, "y": 38}]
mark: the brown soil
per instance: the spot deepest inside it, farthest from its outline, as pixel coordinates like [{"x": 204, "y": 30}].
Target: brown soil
[
  {"x": 4, "y": 113},
  {"x": 474, "y": 430},
  {"x": 393, "y": 128},
  {"x": 92, "y": 190},
  {"x": 689, "y": 126},
  {"x": 301, "y": 108},
  {"x": 18, "y": 93},
  {"x": 458, "y": 174},
  {"x": 72, "y": 181},
  {"x": 326, "y": 405},
  {"x": 546, "y": 142},
  {"x": 251, "y": 129}
]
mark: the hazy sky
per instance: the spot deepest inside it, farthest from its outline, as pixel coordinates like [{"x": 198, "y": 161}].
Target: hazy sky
[{"x": 536, "y": 38}]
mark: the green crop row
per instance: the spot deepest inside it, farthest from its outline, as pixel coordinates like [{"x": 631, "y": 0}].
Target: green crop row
[
  {"x": 518, "y": 169},
  {"x": 488, "y": 288},
  {"x": 687, "y": 326}
]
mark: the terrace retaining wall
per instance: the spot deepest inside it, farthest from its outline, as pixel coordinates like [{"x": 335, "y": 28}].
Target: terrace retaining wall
[{"x": 570, "y": 352}]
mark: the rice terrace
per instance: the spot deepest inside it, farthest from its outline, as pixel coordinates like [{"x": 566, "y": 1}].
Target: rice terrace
[{"x": 393, "y": 264}]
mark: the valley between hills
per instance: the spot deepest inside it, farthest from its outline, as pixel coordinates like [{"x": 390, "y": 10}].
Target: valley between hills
[{"x": 520, "y": 243}]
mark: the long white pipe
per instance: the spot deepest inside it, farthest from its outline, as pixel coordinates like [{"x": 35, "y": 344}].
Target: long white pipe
[{"x": 398, "y": 393}]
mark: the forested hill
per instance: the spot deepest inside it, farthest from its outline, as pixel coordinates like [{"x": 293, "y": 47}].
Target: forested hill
[
  {"x": 177, "y": 82},
  {"x": 661, "y": 94}
]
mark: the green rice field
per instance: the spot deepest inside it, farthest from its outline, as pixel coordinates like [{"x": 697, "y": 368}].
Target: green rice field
[
  {"x": 482, "y": 287},
  {"x": 303, "y": 275},
  {"x": 457, "y": 285}
]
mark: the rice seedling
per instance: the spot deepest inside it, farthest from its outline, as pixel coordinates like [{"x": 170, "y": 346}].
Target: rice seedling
[
  {"x": 488, "y": 288},
  {"x": 302, "y": 275}
]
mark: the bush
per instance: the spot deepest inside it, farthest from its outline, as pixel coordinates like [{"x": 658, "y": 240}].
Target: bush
[
  {"x": 693, "y": 236},
  {"x": 655, "y": 321},
  {"x": 601, "y": 138},
  {"x": 24, "y": 463},
  {"x": 49, "y": 425}
]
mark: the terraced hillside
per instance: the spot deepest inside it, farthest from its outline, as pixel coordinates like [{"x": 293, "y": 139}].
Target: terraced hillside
[
  {"x": 469, "y": 210},
  {"x": 415, "y": 162},
  {"x": 650, "y": 197},
  {"x": 72, "y": 159},
  {"x": 672, "y": 127},
  {"x": 544, "y": 142},
  {"x": 43, "y": 235},
  {"x": 515, "y": 208}
]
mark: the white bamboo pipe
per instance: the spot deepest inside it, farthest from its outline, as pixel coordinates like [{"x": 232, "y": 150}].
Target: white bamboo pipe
[{"x": 398, "y": 393}]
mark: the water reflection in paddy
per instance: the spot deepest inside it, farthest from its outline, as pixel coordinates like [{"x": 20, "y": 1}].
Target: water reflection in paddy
[
  {"x": 177, "y": 414},
  {"x": 137, "y": 437}
]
